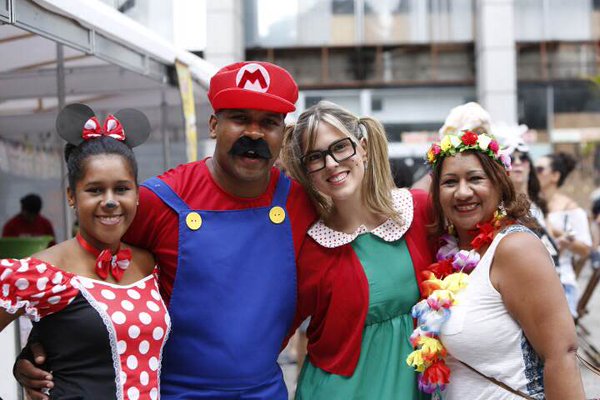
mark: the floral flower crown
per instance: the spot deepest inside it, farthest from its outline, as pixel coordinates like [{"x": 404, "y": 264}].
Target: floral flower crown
[{"x": 468, "y": 140}]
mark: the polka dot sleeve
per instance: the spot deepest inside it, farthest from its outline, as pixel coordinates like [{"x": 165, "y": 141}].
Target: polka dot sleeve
[{"x": 37, "y": 287}]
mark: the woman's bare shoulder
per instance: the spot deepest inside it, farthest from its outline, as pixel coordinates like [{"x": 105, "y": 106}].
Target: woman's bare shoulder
[
  {"x": 57, "y": 255},
  {"x": 522, "y": 252}
]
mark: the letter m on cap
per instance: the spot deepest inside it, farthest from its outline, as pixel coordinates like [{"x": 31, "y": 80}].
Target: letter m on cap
[{"x": 253, "y": 77}]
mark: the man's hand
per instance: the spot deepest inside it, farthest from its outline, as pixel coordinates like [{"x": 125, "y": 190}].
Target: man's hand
[{"x": 34, "y": 380}]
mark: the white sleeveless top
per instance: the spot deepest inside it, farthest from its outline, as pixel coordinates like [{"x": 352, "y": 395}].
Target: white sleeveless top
[{"x": 481, "y": 333}]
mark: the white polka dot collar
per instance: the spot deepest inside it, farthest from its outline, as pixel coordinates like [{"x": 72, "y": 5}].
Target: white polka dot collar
[{"x": 389, "y": 231}]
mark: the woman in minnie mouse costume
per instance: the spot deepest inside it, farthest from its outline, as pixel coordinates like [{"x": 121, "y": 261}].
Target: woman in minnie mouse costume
[{"x": 94, "y": 300}]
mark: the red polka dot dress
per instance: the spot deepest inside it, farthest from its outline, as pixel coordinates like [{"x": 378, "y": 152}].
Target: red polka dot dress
[{"x": 104, "y": 341}]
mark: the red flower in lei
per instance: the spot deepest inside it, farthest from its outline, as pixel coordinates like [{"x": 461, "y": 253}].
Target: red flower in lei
[
  {"x": 469, "y": 138},
  {"x": 484, "y": 235},
  {"x": 441, "y": 268}
]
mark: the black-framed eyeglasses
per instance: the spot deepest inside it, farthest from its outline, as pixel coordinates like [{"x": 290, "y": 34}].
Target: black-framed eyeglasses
[{"x": 339, "y": 150}]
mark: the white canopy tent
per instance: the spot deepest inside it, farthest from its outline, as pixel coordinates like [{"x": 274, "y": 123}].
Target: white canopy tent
[
  {"x": 63, "y": 51},
  {"x": 108, "y": 58},
  {"x": 55, "y": 52}
]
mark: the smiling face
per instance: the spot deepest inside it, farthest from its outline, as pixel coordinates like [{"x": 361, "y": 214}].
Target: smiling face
[
  {"x": 105, "y": 199},
  {"x": 466, "y": 194},
  {"x": 245, "y": 174},
  {"x": 339, "y": 180}
]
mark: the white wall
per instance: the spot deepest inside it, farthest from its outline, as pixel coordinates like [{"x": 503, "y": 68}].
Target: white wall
[{"x": 495, "y": 56}]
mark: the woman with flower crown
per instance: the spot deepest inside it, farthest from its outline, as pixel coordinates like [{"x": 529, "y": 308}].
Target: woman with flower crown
[
  {"x": 494, "y": 322},
  {"x": 94, "y": 300}
]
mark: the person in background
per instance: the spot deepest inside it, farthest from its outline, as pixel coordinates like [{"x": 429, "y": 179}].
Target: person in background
[
  {"x": 494, "y": 308},
  {"x": 361, "y": 275},
  {"x": 567, "y": 221},
  {"x": 94, "y": 300},
  {"x": 595, "y": 224},
  {"x": 401, "y": 172},
  {"x": 525, "y": 180},
  {"x": 29, "y": 222}
]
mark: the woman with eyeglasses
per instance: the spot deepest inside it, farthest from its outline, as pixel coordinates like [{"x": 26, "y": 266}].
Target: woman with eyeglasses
[
  {"x": 568, "y": 222},
  {"x": 368, "y": 251}
]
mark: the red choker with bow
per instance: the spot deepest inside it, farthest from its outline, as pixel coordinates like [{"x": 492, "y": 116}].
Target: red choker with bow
[{"x": 106, "y": 262}]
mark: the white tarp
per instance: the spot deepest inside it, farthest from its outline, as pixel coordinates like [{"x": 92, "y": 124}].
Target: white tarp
[{"x": 102, "y": 18}]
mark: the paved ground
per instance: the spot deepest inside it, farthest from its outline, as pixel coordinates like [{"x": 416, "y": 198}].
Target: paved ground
[{"x": 591, "y": 321}]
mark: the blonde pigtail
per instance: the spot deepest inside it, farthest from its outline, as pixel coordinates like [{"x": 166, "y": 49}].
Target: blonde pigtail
[{"x": 378, "y": 184}]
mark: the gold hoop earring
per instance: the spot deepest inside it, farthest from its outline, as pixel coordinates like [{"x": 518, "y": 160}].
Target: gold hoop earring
[{"x": 449, "y": 227}]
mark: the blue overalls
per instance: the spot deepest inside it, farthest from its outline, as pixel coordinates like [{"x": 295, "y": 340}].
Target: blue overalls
[{"x": 233, "y": 300}]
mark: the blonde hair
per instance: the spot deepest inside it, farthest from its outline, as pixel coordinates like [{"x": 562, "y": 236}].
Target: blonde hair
[{"x": 377, "y": 184}]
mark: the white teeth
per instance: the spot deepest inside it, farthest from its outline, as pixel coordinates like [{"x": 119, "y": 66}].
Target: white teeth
[
  {"x": 338, "y": 177},
  {"x": 110, "y": 220},
  {"x": 467, "y": 207}
]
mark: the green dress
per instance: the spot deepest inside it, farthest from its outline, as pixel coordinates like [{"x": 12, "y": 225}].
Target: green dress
[{"x": 382, "y": 372}]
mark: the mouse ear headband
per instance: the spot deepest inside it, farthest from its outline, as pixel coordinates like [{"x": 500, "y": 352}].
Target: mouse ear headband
[{"x": 77, "y": 123}]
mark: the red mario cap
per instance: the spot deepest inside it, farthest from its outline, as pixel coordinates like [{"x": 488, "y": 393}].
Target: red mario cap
[{"x": 254, "y": 85}]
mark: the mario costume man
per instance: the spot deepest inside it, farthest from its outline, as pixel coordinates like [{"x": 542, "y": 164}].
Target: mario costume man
[{"x": 226, "y": 233}]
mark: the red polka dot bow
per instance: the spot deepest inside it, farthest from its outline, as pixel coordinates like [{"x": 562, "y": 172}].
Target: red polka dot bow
[
  {"x": 106, "y": 262},
  {"x": 112, "y": 128}
]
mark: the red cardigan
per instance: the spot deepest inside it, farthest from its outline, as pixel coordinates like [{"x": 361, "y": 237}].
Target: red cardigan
[{"x": 333, "y": 290}]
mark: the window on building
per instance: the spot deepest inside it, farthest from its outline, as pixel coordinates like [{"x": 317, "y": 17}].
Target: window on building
[
  {"x": 342, "y": 6},
  {"x": 376, "y": 103},
  {"x": 310, "y": 101}
]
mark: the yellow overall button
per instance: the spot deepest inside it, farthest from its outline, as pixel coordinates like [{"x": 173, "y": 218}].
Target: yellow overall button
[
  {"x": 277, "y": 215},
  {"x": 193, "y": 221}
]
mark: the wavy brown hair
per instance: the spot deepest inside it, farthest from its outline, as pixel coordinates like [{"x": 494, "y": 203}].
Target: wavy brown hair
[{"x": 516, "y": 205}]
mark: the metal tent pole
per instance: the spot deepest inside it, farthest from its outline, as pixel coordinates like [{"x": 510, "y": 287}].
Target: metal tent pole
[
  {"x": 60, "y": 82},
  {"x": 164, "y": 115}
]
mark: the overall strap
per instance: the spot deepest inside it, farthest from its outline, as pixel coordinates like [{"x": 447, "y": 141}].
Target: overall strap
[
  {"x": 281, "y": 191},
  {"x": 166, "y": 194}
]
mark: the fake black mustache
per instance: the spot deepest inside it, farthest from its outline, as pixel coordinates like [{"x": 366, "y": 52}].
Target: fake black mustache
[{"x": 244, "y": 145}]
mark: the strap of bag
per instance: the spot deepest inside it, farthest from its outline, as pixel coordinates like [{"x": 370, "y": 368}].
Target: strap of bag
[
  {"x": 504, "y": 386},
  {"x": 498, "y": 383},
  {"x": 588, "y": 364}
]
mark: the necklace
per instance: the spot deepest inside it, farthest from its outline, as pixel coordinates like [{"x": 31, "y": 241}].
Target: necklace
[
  {"x": 107, "y": 262},
  {"x": 444, "y": 279}
]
